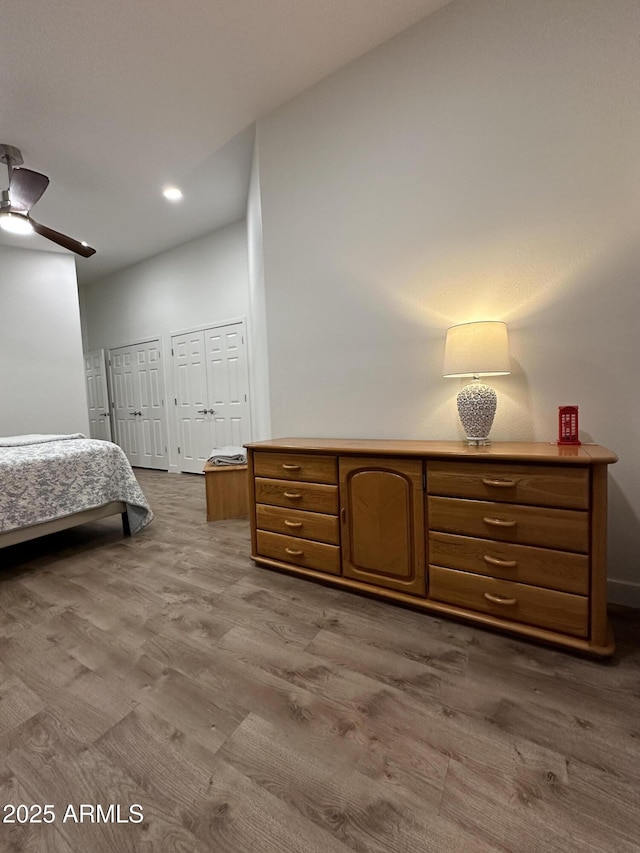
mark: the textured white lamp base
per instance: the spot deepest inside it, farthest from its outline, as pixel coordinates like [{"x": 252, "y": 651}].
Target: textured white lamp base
[{"x": 477, "y": 407}]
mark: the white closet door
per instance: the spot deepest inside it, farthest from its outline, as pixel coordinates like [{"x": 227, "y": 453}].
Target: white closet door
[
  {"x": 212, "y": 392},
  {"x": 125, "y": 402},
  {"x": 228, "y": 383},
  {"x": 194, "y": 420},
  {"x": 97, "y": 395},
  {"x": 137, "y": 382},
  {"x": 151, "y": 420}
]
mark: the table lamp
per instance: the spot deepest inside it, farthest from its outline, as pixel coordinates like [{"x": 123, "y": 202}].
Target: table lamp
[{"x": 477, "y": 349}]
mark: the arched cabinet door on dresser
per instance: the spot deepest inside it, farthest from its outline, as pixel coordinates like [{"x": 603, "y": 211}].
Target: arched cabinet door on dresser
[{"x": 382, "y": 520}]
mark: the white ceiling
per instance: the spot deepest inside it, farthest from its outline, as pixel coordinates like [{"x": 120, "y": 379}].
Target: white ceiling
[{"x": 112, "y": 99}]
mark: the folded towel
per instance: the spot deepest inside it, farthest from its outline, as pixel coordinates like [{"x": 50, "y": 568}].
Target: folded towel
[{"x": 228, "y": 455}]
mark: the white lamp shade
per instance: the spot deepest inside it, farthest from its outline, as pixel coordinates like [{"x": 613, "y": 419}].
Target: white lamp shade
[{"x": 477, "y": 349}]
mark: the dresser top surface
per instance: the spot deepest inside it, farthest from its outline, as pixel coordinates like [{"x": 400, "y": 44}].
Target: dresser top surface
[{"x": 522, "y": 451}]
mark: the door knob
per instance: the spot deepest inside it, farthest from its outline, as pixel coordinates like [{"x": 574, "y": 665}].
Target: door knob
[
  {"x": 212, "y": 411},
  {"x": 202, "y": 411}
]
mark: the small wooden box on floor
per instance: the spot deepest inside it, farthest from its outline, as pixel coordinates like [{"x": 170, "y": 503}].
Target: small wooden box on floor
[{"x": 227, "y": 491}]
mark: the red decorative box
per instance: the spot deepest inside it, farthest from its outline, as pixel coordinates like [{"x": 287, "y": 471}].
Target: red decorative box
[{"x": 568, "y": 425}]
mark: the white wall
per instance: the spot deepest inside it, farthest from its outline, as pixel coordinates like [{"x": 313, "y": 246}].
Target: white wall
[
  {"x": 202, "y": 282},
  {"x": 482, "y": 165},
  {"x": 199, "y": 282},
  {"x": 41, "y": 367},
  {"x": 258, "y": 340}
]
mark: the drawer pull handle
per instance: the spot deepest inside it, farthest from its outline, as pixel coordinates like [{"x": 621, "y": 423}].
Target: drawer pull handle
[
  {"x": 294, "y": 552},
  {"x": 288, "y": 467},
  {"x": 294, "y": 495},
  {"x": 501, "y": 484},
  {"x": 498, "y": 599},
  {"x": 496, "y": 561},
  {"x": 499, "y": 522},
  {"x": 292, "y": 523}
]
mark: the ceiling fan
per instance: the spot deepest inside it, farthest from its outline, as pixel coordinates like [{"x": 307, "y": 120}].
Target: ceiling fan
[{"x": 25, "y": 189}]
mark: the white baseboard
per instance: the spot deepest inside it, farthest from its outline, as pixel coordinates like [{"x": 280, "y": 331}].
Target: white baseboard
[{"x": 623, "y": 592}]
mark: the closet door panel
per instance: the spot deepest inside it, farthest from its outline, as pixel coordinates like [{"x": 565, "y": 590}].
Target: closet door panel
[{"x": 192, "y": 401}]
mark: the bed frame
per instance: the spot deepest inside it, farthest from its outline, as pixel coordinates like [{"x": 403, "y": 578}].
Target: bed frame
[{"x": 24, "y": 534}]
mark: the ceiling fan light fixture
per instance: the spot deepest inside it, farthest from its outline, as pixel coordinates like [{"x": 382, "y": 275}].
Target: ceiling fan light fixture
[
  {"x": 172, "y": 194},
  {"x": 25, "y": 189},
  {"x": 15, "y": 223}
]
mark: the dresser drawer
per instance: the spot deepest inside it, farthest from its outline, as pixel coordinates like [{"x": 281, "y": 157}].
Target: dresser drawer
[
  {"x": 518, "y": 602},
  {"x": 305, "y": 525},
  {"x": 540, "y": 485},
  {"x": 559, "y": 570},
  {"x": 310, "y": 496},
  {"x": 296, "y": 466},
  {"x": 300, "y": 552},
  {"x": 562, "y": 529}
]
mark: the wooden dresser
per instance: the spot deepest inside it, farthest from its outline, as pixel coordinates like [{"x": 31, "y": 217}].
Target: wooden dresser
[{"x": 511, "y": 536}]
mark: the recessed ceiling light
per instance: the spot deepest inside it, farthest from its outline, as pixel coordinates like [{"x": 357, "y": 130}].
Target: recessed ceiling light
[{"x": 172, "y": 194}]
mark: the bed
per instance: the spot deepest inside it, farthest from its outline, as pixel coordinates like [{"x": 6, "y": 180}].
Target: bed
[{"x": 52, "y": 482}]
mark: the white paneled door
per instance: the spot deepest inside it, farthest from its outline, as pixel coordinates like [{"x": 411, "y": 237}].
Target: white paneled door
[
  {"x": 190, "y": 372},
  {"x": 212, "y": 392},
  {"x": 137, "y": 385},
  {"x": 95, "y": 373}
]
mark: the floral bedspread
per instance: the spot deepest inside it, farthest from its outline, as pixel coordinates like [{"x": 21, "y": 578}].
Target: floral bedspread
[{"x": 48, "y": 476}]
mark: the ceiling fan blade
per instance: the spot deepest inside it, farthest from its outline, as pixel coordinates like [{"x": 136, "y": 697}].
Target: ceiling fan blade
[
  {"x": 62, "y": 240},
  {"x": 25, "y": 188}
]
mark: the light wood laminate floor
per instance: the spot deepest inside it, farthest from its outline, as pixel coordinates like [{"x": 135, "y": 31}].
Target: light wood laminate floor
[{"x": 245, "y": 710}]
